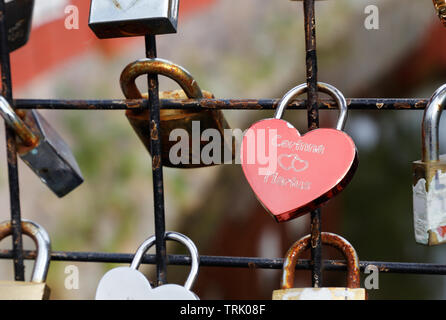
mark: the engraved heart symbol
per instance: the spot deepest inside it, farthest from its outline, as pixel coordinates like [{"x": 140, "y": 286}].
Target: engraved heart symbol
[
  {"x": 292, "y": 174},
  {"x": 293, "y": 165}
]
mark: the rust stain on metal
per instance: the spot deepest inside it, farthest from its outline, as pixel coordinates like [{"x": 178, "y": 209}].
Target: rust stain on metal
[
  {"x": 154, "y": 131},
  {"x": 156, "y": 162},
  {"x": 117, "y": 4},
  {"x": 330, "y": 239},
  {"x": 402, "y": 106},
  {"x": 421, "y": 104}
]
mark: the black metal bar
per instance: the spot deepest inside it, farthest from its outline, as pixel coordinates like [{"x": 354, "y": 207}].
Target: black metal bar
[
  {"x": 157, "y": 166},
  {"x": 13, "y": 173},
  {"x": 313, "y": 123},
  {"x": 234, "y": 262},
  {"x": 223, "y": 104}
]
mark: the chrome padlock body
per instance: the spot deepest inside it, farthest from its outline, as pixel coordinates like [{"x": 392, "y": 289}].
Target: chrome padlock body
[
  {"x": 36, "y": 289},
  {"x": 429, "y": 178},
  {"x": 353, "y": 290},
  {"x": 175, "y": 119},
  {"x": 130, "y": 18},
  {"x": 18, "y": 22},
  {"x": 127, "y": 283},
  {"x": 43, "y": 150}
]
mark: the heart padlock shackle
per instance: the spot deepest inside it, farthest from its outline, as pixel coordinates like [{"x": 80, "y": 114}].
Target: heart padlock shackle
[
  {"x": 127, "y": 283},
  {"x": 353, "y": 290},
  {"x": 43, "y": 150},
  {"x": 429, "y": 178},
  {"x": 292, "y": 174},
  {"x": 186, "y": 120},
  {"x": 36, "y": 289}
]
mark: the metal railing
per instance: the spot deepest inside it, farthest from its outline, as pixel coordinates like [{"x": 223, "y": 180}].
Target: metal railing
[{"x": 161, "y": 259}]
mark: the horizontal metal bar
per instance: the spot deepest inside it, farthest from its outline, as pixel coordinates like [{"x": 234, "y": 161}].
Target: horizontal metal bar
[
  {"x": 228, "y": 104},
  {"x": 236, "y": 262}
]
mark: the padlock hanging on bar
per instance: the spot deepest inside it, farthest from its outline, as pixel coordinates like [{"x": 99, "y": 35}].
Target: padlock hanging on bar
[
  {"x": 351, "y": 292},
  {"x": 130, "y": 18},
  {"x": 127, "y": 283},
  {"x": 43, "y": 150},
  {"x": 36, "y": 289},
  {"x": 429, "y": 178},
  {"x": 172, "y": 120}
]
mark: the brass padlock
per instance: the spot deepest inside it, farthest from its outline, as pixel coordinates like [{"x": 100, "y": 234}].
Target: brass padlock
[
  {"x": 429, "y": 178},
  {"x": 36, "y": 289},
  {"x": 440, "y": 6},
  {"x": 43, "y": 150},
  {"x": 129, "y": 18},
  {"x": 18, "y": 22},
  {"x": 187, "y": 120},
  {"x": 353, "y": 290}
]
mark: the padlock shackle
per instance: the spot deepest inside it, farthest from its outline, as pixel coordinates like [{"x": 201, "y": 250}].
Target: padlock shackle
[
  {"x": 430, "y": 126},
  {"x": 25, "y": 134},
  {"x": 157, "y": 66},
  {"x": 178, "y": 237},
  {"x": 43, "y": 246},
  {"x": 332, "y": 240},
  {"x": 323, "y": 87}
]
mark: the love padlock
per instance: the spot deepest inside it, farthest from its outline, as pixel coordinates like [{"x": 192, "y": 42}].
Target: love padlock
[
  {"x": 129, "y": 18},
  {"x": 43, "y": 150},
  {"x": 192, "y": 125},
  {"x": 36, "y": 289},
  {"x": 353, "y": 290},
  {"x": 292, "y": 174},
  {"x": 127, "y": 283},
  {"x": 429, "y": 178}
]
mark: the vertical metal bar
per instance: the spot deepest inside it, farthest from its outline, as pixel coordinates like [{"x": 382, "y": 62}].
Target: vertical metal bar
[
  {"x": 13, "y": 174},
  {"x": 313, "y": 123},
  {"x": 157, "y": 166}
]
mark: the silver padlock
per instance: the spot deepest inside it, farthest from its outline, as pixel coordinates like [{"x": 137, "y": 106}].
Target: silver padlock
[
  {"x": 36, "y": 289},
  {"x": 43, "y": 150},
  {"x": 129, "y": 18},
  {"x": 18, "y": 22},
  {"x": 127, "y": 283},
  {"x": 429, "y": 178}
]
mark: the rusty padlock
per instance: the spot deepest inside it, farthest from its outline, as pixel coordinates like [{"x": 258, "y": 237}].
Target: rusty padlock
[
  {"x": 440, "y": 6},
  {"x": 429, "y": 178},
  {"x": 43, "y": 150},
  {"x": 187, "y": 120},
  {"x": 18, "y": 22},
  {"x": 36, "y": 289},
  {"x": 353, "y": 290},
  {"x": 129, "y": 18}
]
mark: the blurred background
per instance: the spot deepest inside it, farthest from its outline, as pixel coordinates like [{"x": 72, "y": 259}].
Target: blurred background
[{"x": 235, "y": 49}]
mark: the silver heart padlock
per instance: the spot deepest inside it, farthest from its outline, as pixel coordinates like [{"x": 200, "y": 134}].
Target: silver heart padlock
[{"x": 127, "y": 283}]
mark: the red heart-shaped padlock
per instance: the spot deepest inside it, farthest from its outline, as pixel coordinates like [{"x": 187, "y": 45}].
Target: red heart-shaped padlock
[{"x": 293, "y": 174}]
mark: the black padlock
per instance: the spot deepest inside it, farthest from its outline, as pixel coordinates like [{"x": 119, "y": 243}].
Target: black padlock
[{"x": 18, "y": 22}]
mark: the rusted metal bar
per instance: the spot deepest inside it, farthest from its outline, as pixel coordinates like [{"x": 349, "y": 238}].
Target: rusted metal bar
[
  {"x": 13, "y": 174},
  {"x": 223, "y": 104},
  {"x": 157, "y": 166},
  {"x": 235, "y": 262},
  {"x": 313, "y": 123}
]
